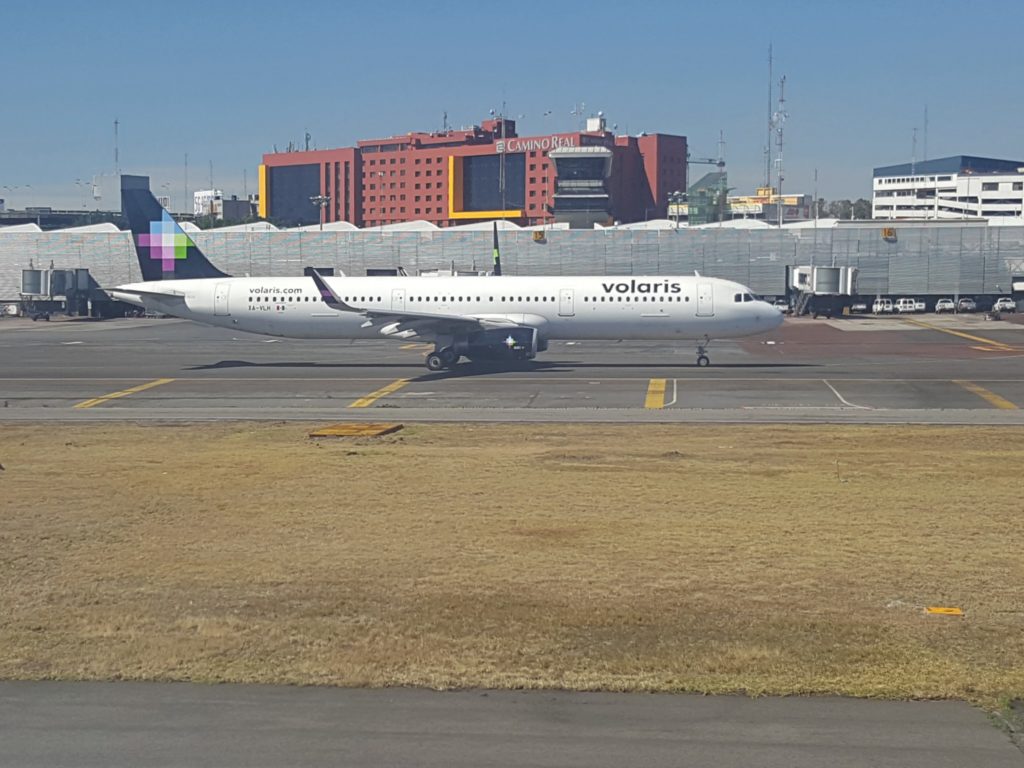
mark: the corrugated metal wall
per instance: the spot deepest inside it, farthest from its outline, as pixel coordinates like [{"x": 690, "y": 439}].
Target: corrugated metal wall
[{"x": 924, "y": 259}]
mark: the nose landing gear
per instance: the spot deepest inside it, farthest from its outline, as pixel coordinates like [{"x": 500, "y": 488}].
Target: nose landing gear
[{"x": 702, "y": 357}]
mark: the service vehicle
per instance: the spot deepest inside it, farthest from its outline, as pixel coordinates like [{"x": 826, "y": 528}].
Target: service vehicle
[
  {"x": 967, "y": 305},
  {"x": 905, "y": 306},
  {"x": 1004, "y": 304},
  {"x": 944, "y": 305},
  {"x": 881, "y": 307}
]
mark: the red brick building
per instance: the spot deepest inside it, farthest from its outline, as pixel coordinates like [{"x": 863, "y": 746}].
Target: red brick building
[{"x": 481, "y": 173}]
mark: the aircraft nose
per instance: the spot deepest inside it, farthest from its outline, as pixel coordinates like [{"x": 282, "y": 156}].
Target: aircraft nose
[{"x": 771, "y": 318}]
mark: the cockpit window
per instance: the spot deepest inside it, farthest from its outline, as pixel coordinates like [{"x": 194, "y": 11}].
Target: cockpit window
[
  {"x": 747, "y": 297},
  {"x": 738, "y": 298}
]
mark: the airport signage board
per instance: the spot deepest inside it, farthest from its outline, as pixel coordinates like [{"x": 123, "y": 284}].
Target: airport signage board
[
  {"x": 746, "y": 208},
  {"x": 503, "y": 146}
]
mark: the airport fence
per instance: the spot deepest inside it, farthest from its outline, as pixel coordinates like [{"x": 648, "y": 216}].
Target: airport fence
[{"x": 924, "y": 258}]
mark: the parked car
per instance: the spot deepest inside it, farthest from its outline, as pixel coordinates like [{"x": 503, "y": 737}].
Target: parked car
[
  {"x": 1004, "y": 304},
  {"x": 944, "y": 305},
  {"x": 781, "y": 304},
  {"x": 858, "y": 308},
  {"x": 881, "y": 306},
  {"x": 919, "y": 306},
  {"x": 966, "y": 305},
  {"x": 905, "y": 306}
]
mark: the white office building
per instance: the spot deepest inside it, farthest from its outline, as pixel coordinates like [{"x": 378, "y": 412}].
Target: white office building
[{"x": 958, "y": 187}]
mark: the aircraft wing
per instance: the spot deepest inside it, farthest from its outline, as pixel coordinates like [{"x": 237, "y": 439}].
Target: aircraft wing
[{"x": 407, "y": 324}]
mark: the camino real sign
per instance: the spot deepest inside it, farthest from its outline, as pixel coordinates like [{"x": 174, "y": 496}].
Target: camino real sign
[{"x": 503, "y": 146}]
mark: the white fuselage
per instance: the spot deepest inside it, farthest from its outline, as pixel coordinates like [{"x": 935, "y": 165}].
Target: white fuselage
[{"x": 567, "y": 308}]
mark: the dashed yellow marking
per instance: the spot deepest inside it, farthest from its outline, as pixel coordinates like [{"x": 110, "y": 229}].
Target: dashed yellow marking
[
  {"x": 987, "y": 395},
  {"x": 655, "y": 393},
  {"x": 970, "y": 337},
  {"x": 373, "y": 397},
  {"x": 123, "y": 393}
]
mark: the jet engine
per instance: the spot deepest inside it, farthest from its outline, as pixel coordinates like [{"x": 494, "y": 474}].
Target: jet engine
[{"x": 499, "y": 344}]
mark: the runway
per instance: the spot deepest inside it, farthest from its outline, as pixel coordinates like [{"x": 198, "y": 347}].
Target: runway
[
  {"x": 923, "y": 369},
  {"x": 130, "y": 724}
]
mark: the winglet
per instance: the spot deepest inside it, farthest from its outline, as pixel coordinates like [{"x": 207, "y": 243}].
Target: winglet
[{"x": 328, "y": 296}]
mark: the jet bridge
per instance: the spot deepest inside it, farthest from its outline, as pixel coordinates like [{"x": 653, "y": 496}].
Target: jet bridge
[{"x": 821, "y": 290}]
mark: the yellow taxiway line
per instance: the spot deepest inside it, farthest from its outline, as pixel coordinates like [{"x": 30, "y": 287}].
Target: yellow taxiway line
[
  {"x": 655, "y": 393},
  {"x": 980, "y": 339},
  {"x": 123, "y": 393},
  {"x": 370, "y": 399},
  {"x": 986, "y": 394}
]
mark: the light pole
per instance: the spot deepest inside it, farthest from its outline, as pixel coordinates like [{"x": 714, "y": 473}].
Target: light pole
[
  {"x": 381, "y": 175},
  {"x": 321, "y": 201},
  {"x": 81, "y": 189},
  {"x": 675, "y": 199}
]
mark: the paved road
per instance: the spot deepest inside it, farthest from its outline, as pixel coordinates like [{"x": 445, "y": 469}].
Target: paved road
[
  {"x": 933, "y": 371},
  {"x": 81, "y": 725}
]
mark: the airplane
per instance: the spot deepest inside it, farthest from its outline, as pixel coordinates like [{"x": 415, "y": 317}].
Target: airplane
[{"x": 484, "y": 318}]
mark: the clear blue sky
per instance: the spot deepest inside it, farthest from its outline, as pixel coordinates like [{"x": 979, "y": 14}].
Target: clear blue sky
[{"x": 225, "y": 82}]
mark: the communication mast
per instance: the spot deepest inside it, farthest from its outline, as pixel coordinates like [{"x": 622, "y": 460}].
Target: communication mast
[
  {"x": 771, "y": 126},
  {"x": 778, "y": 125}
]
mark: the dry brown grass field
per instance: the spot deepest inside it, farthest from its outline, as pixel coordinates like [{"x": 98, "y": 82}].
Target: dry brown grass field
[{"x": 660, "y": 558}]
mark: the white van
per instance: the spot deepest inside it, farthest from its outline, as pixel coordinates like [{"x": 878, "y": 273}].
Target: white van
[
  {"x": 906, "y": 306},
  {"x": 881, "y": 307}
]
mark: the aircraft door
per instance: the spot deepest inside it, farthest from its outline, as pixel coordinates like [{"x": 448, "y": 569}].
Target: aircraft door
[
  {"x": 565, "y": 303},
  {"x": 220, "y": 299},
  {"x": 705, "y": 300},
  {"x": 398, "y": 300}
]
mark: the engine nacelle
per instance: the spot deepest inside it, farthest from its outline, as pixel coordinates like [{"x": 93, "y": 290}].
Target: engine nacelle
[{"x": 499, "y": 344}]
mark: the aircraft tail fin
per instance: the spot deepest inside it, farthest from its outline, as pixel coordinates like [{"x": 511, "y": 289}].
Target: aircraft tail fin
[{"x": 164, "y": 251}]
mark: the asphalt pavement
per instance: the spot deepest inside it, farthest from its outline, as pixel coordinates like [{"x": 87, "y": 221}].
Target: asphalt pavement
[
  {"x": 891, "y": 370},
  {"x": 109, "y": 725}
]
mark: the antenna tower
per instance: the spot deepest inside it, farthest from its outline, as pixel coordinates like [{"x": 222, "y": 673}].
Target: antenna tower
[
  {"x": 925, "y": 132},
  {"x": 771, "y": 126},
  {"x": 779, "y": 124},
  {"x": 117, "y": 158}
]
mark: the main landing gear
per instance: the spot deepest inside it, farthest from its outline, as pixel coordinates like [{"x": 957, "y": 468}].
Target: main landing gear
[
  {"x": 441, "y": 359},
  {"x": 702, "y": 357}
]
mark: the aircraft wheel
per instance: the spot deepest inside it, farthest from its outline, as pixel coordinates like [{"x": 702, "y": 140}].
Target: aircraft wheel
[
  {"x": 703, "y": 361},
  {"x": 448, "y": 357},
  {"x": 435, "y": 363}
]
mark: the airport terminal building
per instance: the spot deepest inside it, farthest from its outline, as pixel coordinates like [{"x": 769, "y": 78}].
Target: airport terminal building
[
  {"x": 480, "y": 173},
  {"x": 958, "y": 187}
]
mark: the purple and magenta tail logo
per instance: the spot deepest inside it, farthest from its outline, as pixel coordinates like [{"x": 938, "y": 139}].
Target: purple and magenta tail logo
[{"x": 166, "y": 242}]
